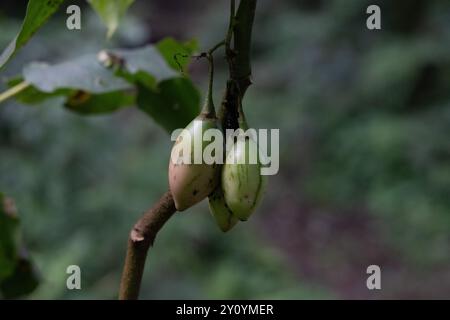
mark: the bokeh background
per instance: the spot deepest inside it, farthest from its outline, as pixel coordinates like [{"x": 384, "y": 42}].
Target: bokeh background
[{"x": 364, "y": 119}]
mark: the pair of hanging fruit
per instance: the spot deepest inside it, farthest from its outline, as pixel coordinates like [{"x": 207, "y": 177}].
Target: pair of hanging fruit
[{"x": 235, "y": 188}]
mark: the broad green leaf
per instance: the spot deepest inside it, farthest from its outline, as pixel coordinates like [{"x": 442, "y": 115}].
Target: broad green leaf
[
  {"x": 110, "y": 11},
  {"x": 174, "y": 101},
  {"x": 84, "y": 73},
  {"x": 79, "y": 101},
  {"x": 88, "y": 73},
  {"x": 9, "y": 224},
  {"x": 38, "y": 12},
  {"x": 104, "y": 82},
  {"x": 86, "y": 103},
  {"x": 173, "y": 104},
  {"x": 147, "y": 60},
  {"x": 32, "y": 95},
  {"x": 177, "y": 54}
]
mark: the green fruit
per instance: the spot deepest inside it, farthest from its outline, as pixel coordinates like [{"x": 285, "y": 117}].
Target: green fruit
[
  {"x": 242, "y": 183},
  {"x": 220, "y": 211},
  {"x": 191, "y": 183}
]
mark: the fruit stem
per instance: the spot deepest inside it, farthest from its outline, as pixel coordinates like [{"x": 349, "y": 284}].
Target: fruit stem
[{"x": 208, "y": 107}]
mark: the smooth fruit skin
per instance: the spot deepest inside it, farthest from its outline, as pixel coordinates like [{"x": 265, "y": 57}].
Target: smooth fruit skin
[
  {"x": 242, "y": 183},
  {"x": 191, "y": 183},
  {"x": 220, "y": 211}
]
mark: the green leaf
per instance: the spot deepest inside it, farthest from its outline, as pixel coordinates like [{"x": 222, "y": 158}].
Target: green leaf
[
  {"x": 88, "y": 74},
  {"x": 84, "y": 73},
  {"x": 177, "y": 54},
  {"x": 85, "y": 103},
  {"x": 81, "y": 102},
  {"x": 9, "y": 237},
  {"x": 173, "y": 104},
  {"x": 101, "y": 83},
  {"x": 147, "y": 60},
  {"x": 32, "y": 95},
  {"x": 38, "y": 12},
  {"x": 111, "y": 12}
]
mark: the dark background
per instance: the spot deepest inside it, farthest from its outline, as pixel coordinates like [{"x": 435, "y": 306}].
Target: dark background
[{"x": 364, "y": 177}]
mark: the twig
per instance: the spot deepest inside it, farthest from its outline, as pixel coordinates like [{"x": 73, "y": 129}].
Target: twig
[
  {"x": 140, "y": 239},
  {"x": 199, "y": 56},
  {"x": 217, "y": 46}
]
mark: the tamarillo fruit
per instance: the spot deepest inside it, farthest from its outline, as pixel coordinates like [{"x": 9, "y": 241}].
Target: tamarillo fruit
[
  {"x": 220, "y": 211},
  {"x": 241, "y": 181},
  {"x": 191, "y": 182}
]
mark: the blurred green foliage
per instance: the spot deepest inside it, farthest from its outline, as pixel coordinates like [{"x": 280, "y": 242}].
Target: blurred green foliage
[
  {"x": 18, "y": 275},
  {"x": 364, "y": 119}
]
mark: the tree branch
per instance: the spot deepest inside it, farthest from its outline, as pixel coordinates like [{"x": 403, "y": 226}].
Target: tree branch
[
  {"x": 141, "y": 238},
  {"x": 242, "y": 43},
  {"x": 238, "y": 57}
]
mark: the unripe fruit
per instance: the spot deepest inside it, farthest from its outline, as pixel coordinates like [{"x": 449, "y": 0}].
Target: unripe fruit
[
  {"x": 242, "y": 182},
  {"x": 220, "y": 211},
  {"x": 191, "y": 183}
]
